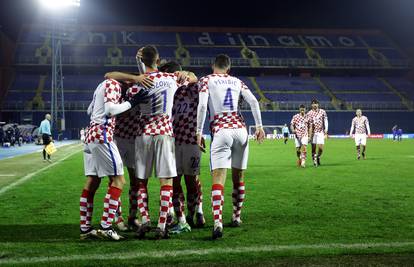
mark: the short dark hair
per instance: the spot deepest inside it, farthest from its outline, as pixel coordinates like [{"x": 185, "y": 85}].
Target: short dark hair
[
  {"x": 149, "y": 55},
  {"x": 315, "y": 101},
  {"x": 302, "y": 106},
  {"x": 170, "y": 67},
  {"x": 222, "y": 61}
]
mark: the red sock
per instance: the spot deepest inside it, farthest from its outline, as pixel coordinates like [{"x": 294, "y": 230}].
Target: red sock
[
  {"x": 238, "y": 199},
  {"x": 166, "y": 193},
  {"x": 133, "y": 202},
  {"x": 217, "y": 201},
  {"x": 86, "y": 210},
  {"x": 142, "y": 202},
  {"x": 111, "y": 203}
]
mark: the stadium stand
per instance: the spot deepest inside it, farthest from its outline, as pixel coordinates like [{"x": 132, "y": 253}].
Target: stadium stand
[{"x": 284, "y": 68}]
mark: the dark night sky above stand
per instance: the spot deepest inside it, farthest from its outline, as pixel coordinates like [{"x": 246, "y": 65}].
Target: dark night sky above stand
[{"x": 394, "y": 17}]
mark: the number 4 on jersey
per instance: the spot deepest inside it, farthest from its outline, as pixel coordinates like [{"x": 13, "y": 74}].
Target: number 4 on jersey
[{"x": 228, "y": 100}]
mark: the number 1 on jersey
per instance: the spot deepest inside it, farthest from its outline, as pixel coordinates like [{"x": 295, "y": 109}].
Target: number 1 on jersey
[{"x": 228, "y": 100}]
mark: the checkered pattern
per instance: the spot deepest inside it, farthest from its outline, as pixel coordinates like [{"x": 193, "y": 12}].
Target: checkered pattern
[
  {"x": 103, "y": 132},
  {"x": 96, "y": 132},
  {"x": 317, "y": 119},
  {"x": 112, "y": 91},
  {"x": 300, "y": 124},
  {"x": 159, "y": 124},
  {"x": 360, "y": 125},
  {"x": 185, "y": 115},
  {"x": 227, "y": 120},
  {"x": 128, "y": 124}
]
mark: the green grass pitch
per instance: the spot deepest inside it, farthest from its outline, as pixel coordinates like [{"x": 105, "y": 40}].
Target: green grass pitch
[{"x": 344, "y": 213}]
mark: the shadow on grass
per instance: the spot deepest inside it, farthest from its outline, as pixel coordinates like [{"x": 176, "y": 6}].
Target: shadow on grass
[
  {"x": 39, "y": 232},
  {"x": 70, "y": 233}
]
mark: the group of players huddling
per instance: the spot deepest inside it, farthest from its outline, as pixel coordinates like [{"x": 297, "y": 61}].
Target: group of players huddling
[
  {"x": 313, "y": 127},
  {"x": 154, "y": 121}
]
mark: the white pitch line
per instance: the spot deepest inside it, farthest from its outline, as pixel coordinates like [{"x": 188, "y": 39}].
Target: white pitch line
[
  {"x": 201, "y": 252},
  {"x": 30, "y": 175},
  {"x": 7, "y": 175}
]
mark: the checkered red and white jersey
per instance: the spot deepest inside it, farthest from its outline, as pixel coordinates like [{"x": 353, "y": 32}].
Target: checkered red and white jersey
[
  {"x": 185, "y": 115},
  {"x": 224, "y": 93},
  {"x": 159, "y": 124},
  {"x": 360, "y": 124},
  {"x": 157, "y": 113},
  {"x": 317, "y": 120},
  {"x": 300, "y": 124},
  {"x": 128, "y": 123},
  {"x": 101, "y": 128},
  {"x": 227, "y": 120}
]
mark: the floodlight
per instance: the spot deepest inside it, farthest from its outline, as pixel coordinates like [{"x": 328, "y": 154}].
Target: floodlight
[{"x": 59, "y": 4}]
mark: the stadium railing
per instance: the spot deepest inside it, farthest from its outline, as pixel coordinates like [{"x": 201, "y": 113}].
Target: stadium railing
[{"x": 239, "y": 62}]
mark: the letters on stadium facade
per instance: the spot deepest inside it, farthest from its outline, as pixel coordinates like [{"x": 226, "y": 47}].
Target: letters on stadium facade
[{"x": 214, "y": 37}]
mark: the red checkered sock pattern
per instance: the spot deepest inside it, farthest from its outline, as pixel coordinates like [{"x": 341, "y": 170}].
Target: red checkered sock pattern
[
  {"x": 86, "y": 209},
  {"x": 199, "y": 197},
  {"x": 118, "y": 214},
  {"x": 178, "y": 203},
  {"x": 303, "y": 155},
  {"x": 133, "y": 202},
  {"x": 217, "y": 202},
  {"x": 238, "y": 199},
  {"x": 166, "y": 193},
  {"x": 111, "y": 203},
  {"x": 142, "y": 202}
]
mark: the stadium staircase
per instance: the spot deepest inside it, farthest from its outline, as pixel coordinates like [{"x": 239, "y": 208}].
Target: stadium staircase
[
  {"x": 181, "y": 53},
  {"x": 334, "y": 100},
  {"x": 37, "y": 102},
  {"x": 312, "y": 54},
  {"x": 263, "y": 98},
  {"x": 406, "y": 102}
]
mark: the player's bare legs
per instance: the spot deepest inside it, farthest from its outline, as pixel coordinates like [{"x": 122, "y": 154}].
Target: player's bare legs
[
  {"x": 86, "y": 207},
  {"x": 217, "y": 199},
  {"x": 320, "y": 150},
  {"x": 166, "y": 193},
  {"x": 314, "y": 154},
  {"x": 237, "y": 196}
]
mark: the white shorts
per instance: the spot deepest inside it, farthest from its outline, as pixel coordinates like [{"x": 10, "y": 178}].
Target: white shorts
[
  {"x": 187, "y": 157},
  {"x": 102, "y": 160},
  {"x": 318, "y": 138},
  {"x": 301, "y": 142},
  {"x": 360, "y": 139},
  {"x": 155, "y": 152},
  {"x": 229, "y": 149},
  {"x": 126, "y": 150}
]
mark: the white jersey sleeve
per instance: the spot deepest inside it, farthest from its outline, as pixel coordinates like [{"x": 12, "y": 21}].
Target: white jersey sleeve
[
  {"x": 202, "y": 104},
  {"x": 254, "y": 104}
]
